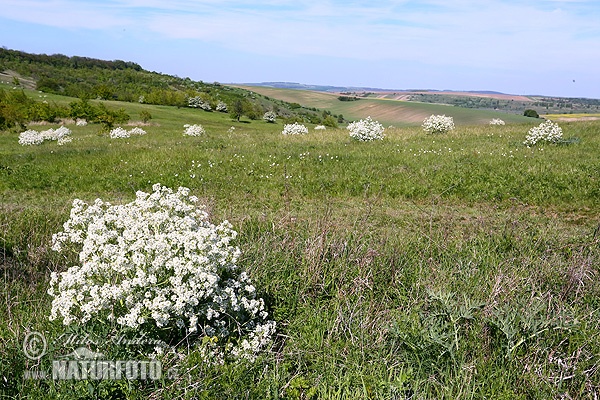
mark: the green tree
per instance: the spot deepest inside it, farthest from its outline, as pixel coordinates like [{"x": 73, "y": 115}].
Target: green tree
[{"x": 531, "y": 113}]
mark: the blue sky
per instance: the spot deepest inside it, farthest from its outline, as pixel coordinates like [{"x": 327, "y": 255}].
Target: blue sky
[{"x": 548, "y": 47}]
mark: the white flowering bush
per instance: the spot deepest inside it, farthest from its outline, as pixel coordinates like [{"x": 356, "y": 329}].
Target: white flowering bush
[
  {"x": 119, "y": 133},
  {"x": 30, "y": 137},
  {"x": 158, "y": 265},
  {"x": 81, "y": 122},
  {"x": 294, "y": 129},
  {"x": 221, "y": 107},
  {"x": 497, "y": 121},
  {"x": 547, "y": 131},
  {"x": 137, "y": 131},
  {"x": 193, "y": 130},
  {"x": 366, "y": 130},
  {"x": 270, "y": 116},
  {"x": 320, "y": 128},
  {"x": 438, "y": 124},
  {"x": 197, "y": 102}
]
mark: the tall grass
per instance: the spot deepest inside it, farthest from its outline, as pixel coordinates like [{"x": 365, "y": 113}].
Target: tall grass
[{"x": 453, "y": 266}]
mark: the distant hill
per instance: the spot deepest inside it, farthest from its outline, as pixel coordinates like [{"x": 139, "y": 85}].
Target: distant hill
[
  {"x": 476, "y": 99},
  {"x": 389, "y": 111}
]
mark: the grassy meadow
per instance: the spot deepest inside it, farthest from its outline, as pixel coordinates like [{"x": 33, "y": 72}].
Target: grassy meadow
[{"x": 457, "y": 266}]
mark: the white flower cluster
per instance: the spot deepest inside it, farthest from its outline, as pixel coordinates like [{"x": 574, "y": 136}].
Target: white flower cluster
[
  {"x": 158, "y": 262},
  {"x": 497, "y": 121},
  {"x": 197, "y": 102},
  {"x": 547, "y": 131},
  {"x": 270, "y": 116},
  {"x": 366, "y": 130},
  {"x": 320, "y": 128},
  {"x": 120, "y": 133},
  {"x": 221, "y": 107},
  {"x": 137, "y": 131},
  {"x": 81, "y": 122},
  {"x": 438, "y": 124},
  {"x": 31, "y": 137},
  {"x": 294, "y": 129},
  {"x": 193, "y": 130}
]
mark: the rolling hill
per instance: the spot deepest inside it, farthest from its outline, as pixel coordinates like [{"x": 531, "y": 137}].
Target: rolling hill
[{"x": 387, "y": 111}]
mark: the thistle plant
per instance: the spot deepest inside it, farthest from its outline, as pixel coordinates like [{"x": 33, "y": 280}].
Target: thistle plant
[
  {"x": 438, "y": 124},
  {"x": 158, "y": 266},
  {"x": 366, "y": 130},
  {"x": 547, "y": 131},
  {"x": 294, "y": 129}
]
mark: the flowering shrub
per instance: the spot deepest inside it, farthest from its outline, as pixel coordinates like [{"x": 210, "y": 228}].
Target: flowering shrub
[
  {"x": 547, "y": 131},
  {"x": 61, "y": 135},
  {"x": 294, "y": 129},
  {"x": 438, "y": 124},
  {"x": 30, "y": 138},
  {"x": 158, "y": 263},
  {"x": 366, "y": 130},
  {"x": 119, "y": 133},
  {"x": 497, "y": 121},
  {"x": 221, "y": 107},
  {"x": 270, "y": 116},
  {"x": 193, "y": 130},
  {"x": 320, "y": 128},
  {"x": 197, "y": 102},
  {"x": 81, "y": 122},
  {"x": 137, "y": 131}
]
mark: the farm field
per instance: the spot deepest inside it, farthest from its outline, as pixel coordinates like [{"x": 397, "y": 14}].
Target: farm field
[
  {"x": 387, "y": 111},
  {"x": 463, "y": 265}
]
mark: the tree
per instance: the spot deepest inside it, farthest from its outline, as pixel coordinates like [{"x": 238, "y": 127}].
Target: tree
[
  {"x": 237, "y": 110},
  {"x": 531, "y": 113}
]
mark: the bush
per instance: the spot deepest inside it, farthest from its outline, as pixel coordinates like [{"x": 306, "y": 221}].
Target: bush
[
  {"x": 438, "y": 124},
  {"x": 158, "y": 266},
  {"x": 270, "y": 117},
  {"x": 547, "y": 131},
  {"x": 366, "y": 130},
  {"x": 294, "y": 129},
  {"x": 193, "y": 130},
  {"x": 531, "y": 113}
]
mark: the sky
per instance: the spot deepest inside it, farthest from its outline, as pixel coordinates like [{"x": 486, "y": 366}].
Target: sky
[{"x": 543, "y": 47}]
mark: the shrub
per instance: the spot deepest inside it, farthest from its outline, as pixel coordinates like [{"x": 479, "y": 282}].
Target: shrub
[
  {"x": 294, "y": 129},
  {"x": 193, "y": 130},
  {"x": 547, "y": 131},
  {"x": 320, "y": 128},
  {"x": 270, "y": 117},
  {"x": 119, "y": 133},
  {"x": 531, "y": 113},
  {"x": 137, "y": 131},
  {"x": 438, "y": 124},
  {"x": 158, "y": 266},
  {"x": 61, "y": 135},
  {"x": 221, "y": 107},
  {"x": 366, "y": 130}
]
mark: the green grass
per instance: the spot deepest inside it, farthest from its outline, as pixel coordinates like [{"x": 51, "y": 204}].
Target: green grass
[
  {"x": 387, "y": 111},
  {"x": 452, "y": 266}
]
